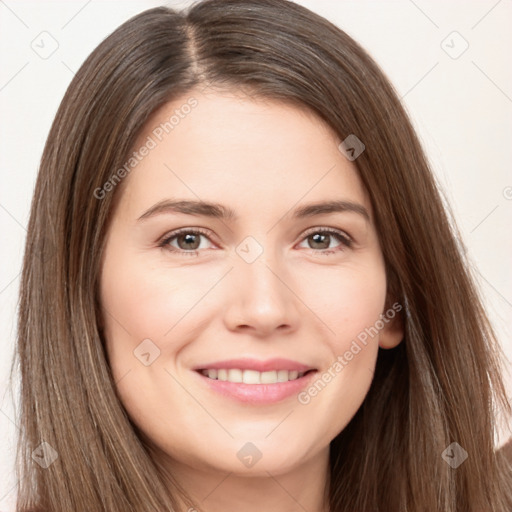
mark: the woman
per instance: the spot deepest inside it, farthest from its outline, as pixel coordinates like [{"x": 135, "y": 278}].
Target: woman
[{"x": 258, "y": 369}]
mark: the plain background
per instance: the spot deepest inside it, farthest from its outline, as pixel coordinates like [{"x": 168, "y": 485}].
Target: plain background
[{"x": 459, "y": 100}]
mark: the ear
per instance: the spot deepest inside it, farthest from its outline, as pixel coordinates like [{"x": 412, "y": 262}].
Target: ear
[{"x": 393, "y": 331}]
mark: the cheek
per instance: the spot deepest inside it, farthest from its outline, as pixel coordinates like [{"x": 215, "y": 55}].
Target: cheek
[
  {"x": 357, "y": 312},
  {"x": 155, "y": 310},
  {"x": 143, "y": 302},
  {"x": 350, "y": 304},
  {"x": 148, "y": 310},
  {"x": 347, "y": 300}
]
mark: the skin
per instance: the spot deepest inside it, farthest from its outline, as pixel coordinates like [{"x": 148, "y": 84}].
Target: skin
[{"x": 263, "y": 159}]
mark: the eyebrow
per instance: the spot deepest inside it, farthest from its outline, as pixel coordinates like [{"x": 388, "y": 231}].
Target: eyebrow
[{"x": 219, "y": 211}]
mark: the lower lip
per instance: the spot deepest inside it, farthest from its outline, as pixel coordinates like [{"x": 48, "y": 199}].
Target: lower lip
[{"x": 258, "y": 393}]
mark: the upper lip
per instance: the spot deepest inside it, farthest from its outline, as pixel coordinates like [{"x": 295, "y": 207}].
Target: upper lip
[{"x": 257, "y": 365}]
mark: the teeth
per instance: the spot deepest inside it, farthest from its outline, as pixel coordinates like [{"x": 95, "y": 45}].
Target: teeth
[
  {"x": 271, "y": 377},
  {"x": 252, "y": 376},
  {"x": 249, "y": 376}
]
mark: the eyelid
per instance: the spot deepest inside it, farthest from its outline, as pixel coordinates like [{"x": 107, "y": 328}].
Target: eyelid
[{"x": 325, "y": 229}]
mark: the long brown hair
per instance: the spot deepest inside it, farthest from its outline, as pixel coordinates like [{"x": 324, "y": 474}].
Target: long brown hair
[{"x": 441, "y": 385}]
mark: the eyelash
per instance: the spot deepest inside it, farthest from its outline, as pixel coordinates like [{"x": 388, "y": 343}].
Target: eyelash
[{"x": 345, "y": 240}]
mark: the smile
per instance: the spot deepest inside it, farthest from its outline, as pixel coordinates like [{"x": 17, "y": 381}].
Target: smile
[{"x": 253, "y": 387}]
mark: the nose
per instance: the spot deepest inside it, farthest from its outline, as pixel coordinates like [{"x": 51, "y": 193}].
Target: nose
[{"x": 261, "y": 298}]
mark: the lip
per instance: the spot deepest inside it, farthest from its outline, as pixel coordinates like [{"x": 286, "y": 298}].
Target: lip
[
  {"x": 257, "y": 394},
  {"x": 257, "y": 365}
]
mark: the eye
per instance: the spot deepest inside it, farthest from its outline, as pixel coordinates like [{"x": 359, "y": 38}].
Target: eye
[
  {"x": 321, "y": 238},
  {"x": 188, "y": 241}
]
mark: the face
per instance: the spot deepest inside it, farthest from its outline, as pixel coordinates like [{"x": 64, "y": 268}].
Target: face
[{"x": 262, "y": 287}]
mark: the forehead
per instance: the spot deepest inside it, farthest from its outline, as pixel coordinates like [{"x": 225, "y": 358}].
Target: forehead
[{"x": 230, "y": 147}]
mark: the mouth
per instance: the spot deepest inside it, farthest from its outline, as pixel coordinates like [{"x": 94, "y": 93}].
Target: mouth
[{"x": 273, "y": 382}]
